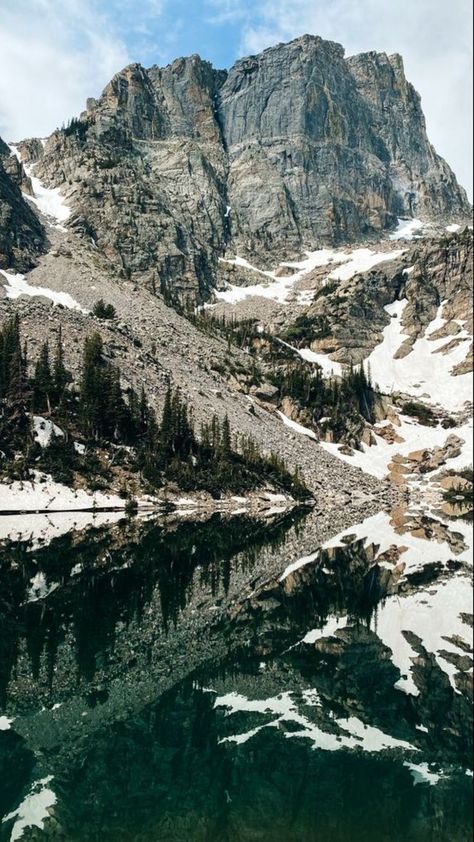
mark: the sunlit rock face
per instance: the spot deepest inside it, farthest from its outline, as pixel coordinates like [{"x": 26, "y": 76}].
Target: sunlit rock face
[{"x": 171, "y": 168}]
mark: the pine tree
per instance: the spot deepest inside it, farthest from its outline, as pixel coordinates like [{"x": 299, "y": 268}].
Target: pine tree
[
  {"x": 92, "y": 386},
  {"x": 43, "y": 381},
  {"x": 61, "y": 376},
  {"x": 226, "y": 441}
]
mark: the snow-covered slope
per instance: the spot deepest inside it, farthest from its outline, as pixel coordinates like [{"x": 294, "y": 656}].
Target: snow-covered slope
[
  {"x": 426, "y": 372},
  {"x": 48, "y": 201}
]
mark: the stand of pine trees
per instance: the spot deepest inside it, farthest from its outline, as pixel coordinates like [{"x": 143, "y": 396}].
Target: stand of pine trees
[
  {"x": 338, "y": 401},
  {"x": 103, "y": 415},
  {"x": 344, "y": 403}
]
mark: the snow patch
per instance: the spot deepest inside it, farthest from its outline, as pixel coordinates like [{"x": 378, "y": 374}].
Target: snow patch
[
  {"x": 297, "y": 428},
  {"x": 362, "y": 260},
  {"x": 422, "y": 373},
  {"x": 17, "y": 285},
  {"x": 44, "y": 430},
  {"x": 44, "y": 494},
  {"x": 407, "y": 229},
  {"x": 375, "y": 459},
  {"x": 279, "y": 288},
  {"x": 48, "y": 200}
]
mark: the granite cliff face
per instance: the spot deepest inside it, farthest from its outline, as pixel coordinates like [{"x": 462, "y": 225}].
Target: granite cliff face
[
  {"x": 22, "y": 236},
  {"x": 172, "y": 168}
]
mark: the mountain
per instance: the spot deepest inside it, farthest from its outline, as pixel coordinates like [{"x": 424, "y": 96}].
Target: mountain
[
  {"x": 186, "y": 185},
  {"x": 22, "y": 236},
  {"x": 172, "y": 168}
]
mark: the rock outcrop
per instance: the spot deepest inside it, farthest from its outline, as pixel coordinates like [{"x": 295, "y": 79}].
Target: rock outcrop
[
  {"x": 22, "y": 236},
  {"x": 439, "y": 271},
  {"x": 171, "y": 168}
]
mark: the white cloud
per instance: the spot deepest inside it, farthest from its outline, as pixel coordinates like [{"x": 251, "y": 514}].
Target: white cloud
[
  {"x": 433, "y": 36},
  {"x": 227, "y": 11},
  {"x": 52, "y": 56}
]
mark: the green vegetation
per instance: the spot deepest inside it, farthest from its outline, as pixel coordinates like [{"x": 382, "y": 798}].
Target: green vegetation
[
  {"x": 105, "y": 418},
  {"x": 341, "y": 406},
  {"x": 327, "y": 289},
  {"x": 306, "y": 329},
  {"x": 335, "y": 404},
  {"x": 421, "y": 412},
  {"x": 76, "y": 128},
  {"x": 103, "y": 310}
]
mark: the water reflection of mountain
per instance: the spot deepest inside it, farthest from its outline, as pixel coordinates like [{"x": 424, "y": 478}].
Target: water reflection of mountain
[
  {"x": 192, "y": 697},
  {"x": 96, "y": 582}
]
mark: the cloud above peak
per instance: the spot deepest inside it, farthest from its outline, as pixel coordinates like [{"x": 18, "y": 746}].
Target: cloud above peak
[{"x": 51, "y": 57}]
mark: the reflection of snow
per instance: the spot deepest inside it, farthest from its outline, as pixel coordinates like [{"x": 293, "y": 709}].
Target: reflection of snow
[
  {"x": 433, "y": 615},
  {"x": 33, "y": 810},
  {"x": 17, "y": 285},
  {"x": 39, "y": 587},
  {"x": 332, "y": 625},
  {"x": 43, "y": 528},
  {"x": 379, "y": 530},
  {"x": 349, "y": 733},
  {"x": 421, "y": 773}
]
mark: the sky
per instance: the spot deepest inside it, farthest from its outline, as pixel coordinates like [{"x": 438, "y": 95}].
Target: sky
[{"x": 56, "y": 53}]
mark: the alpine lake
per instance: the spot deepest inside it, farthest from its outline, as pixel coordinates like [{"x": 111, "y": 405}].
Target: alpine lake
[{"x": 231, "y": 679}]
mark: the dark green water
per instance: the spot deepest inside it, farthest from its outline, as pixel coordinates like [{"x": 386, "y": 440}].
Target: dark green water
[{"x": 157, "y": 681}]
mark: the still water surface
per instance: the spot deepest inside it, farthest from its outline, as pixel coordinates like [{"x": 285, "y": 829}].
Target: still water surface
[{"x": 217, "y": 682}]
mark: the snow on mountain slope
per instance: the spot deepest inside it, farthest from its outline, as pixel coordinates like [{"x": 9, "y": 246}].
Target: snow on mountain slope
[
  {"x": 17, "y": 285},
  {"x": 49, "y": 201},
  {"x": 425, "y": 372},
  {"x": 44, "y": 494},
  {"x": 279, "y": 288}
]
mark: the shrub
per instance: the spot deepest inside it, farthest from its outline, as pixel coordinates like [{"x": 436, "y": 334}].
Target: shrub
[
  {"x": 423, "y": 413},
  {"x": 103, "y": 310}
]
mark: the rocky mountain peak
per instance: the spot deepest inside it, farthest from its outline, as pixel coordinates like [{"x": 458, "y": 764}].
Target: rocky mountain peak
[{"x": 172, "y": 168}]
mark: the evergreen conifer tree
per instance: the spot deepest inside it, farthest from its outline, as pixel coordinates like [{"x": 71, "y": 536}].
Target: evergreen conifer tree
[{"x": 43, "y": 381}]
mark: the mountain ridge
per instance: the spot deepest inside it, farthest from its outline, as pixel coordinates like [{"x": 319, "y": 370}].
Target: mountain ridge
[{"x": 172, "y": 168}]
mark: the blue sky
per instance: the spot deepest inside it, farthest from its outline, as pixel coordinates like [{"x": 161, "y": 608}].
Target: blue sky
[{"x": 56, "y": 53}]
